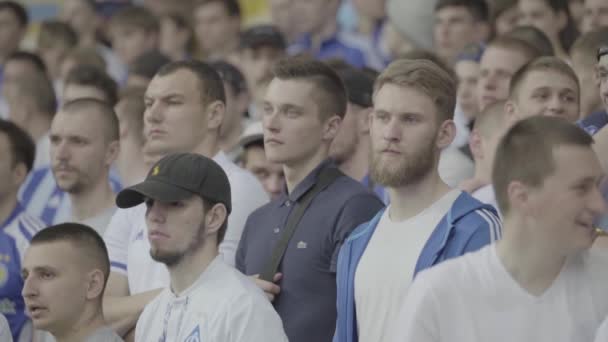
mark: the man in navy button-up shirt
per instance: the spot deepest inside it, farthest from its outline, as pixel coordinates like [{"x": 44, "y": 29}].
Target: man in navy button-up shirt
[{"x": 304, "y": 105}]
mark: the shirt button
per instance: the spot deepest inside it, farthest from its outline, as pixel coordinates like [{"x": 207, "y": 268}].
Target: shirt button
[
  {"x": 277, "y": 230},
  {"x": 288, "y": 203}
]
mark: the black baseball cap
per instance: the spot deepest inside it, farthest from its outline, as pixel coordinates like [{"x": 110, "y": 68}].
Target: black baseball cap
[
  {"x": 263, "y": 35},
  {"x": 177, "y": 177}
]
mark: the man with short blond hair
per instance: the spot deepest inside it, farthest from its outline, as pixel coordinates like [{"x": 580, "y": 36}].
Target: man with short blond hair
[{"x": 426, "y": 222}]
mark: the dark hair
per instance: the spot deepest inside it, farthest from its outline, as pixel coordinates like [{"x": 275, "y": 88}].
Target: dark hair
[
  {"x": 18, "y": 10},
  {"x": 88, "y": 75},
  {"x": 568, "y": 35},
  {"x": 545, "y": 63},
  {"x": 37, "y": 89},
  {"x": 231, "y": 75},
  {"x": 477, "y": 8},
  {"x": 28, "y": 57},
  {"x": 53, "y": 32},
  {"x": 148, "y": 64},
  {"x": 589, "y": 43},
  {"x": 90, "y": 106},
  {"x": 232, "y": 6},
  {"x": 329, "y": 91},
  {"x": 136, "y": 16},
  {"x": 534, "y": 37},
  {"x": 23, "y": 148},
  {"x": 82, "y": 237},
  {"x": 525, "y": 153},
  {"x": 210, "y": 83}
]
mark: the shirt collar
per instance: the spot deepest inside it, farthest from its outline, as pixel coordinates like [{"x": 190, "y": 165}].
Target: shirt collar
[{"x": 308, "y": 182}]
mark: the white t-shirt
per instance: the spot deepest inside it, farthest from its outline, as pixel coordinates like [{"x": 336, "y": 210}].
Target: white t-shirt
[
  {"x": 387, "y": 267},
  {"x": 454, "y": 167},
  {"x": 473, "y": 298},
  {"x": 43, "y": 151},
  {"x": 602, "y": 332},
  {"x": 100, "y": 221},
  {"x": 486, "y": 195},
  {"x": 222, "y": 305},
  {"x": 5, "y": 331},
  {"x": 127, "y": 234}
]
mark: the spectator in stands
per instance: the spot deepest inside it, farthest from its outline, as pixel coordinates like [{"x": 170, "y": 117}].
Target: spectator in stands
[
  {"x": 504, "y": 16},
  {"x": 424, "y": 225},
  {"x": 217, "y": 25},
  {"x": 176, "y": 36},
  {"x": 261, "y": 47},
  {"x": 22, "y": 64},
  {"x": 320, "y": 36},
  {"x": 577, "y": 10},
  {"x": 144, "y": 67},
  {"x": 16, "y": 226},
  {"x": 185, "y": 239},
  {"x": 584, "y": 60},
  {"x": 534, "y": 37},
  {"x": 601, "y": 137},
  {"x": 81, "y": 56},
  {"x": 255, "y": 161},
  {"x": 372, "y": 23},
  {"x": 32, "y": 105},
  {"x": 350, "y": 148},
  {"x": 84, "y": 144},
  {"x": 130, "y": 113},
  {"x": 82, "y": 16},
  {"x": 237, "y": 102},
  {"x": 281, "y": 13},
  {"x": 554, "y": 19},
  {"x": 500, "y": 60},
  {"x": 459, "y": 23},
  {"x": 467, "y": 72},
  {"x": 304, "y": 105},
  {"x": 488, "y": 128},
  {"x": 185, "y": 106},
  {"x": 91, "y": 82},
  {"x": 541, "y": 282},
  {"x": 65, "y": 271},
  {"x": 133, "y": 31},
  {"x": 595, "y": 16},
  {"x": 13, "y": 22},
  {"x": 55, "y": 40},
  {"x": 545, "y": 86}
]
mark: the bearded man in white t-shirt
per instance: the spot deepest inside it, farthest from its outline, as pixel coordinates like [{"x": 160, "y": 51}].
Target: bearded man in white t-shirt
[
  {"x": 188, "y": 200},
  {"x": 541, "y": 282}
]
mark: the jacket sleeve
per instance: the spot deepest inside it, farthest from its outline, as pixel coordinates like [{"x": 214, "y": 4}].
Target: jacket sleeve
[{"x": 488, "y": 231}]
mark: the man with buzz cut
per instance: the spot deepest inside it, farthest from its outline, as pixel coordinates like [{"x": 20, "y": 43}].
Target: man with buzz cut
[
  {"x": 188, "y": 200},
  {"x": 65, "y": 271},
  {"x": 542, "y": 281},
  {"x": 427, "y": 222}
]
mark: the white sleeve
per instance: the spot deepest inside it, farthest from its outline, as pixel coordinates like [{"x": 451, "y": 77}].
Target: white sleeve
[
  {"x": 117, "y": 238},
  {"x": 5, "y": 331},
  {"x": 602, "y": 332},
  {"x": 418, "y": 319},
  {"x": 598, "y": 280},
  {"x": 252, "y": 320},
  {"x": 247, "y": 196}
]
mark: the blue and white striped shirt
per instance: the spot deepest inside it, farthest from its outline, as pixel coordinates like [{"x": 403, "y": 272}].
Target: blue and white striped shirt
[
  {"x": 15, "y": 235},
  {"x": 42, "y": 198}
]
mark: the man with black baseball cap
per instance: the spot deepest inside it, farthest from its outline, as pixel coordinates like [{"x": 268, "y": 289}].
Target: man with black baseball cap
[
  {"x": 261, "y": 47},
  {"x": 350, "y": 148},
  {"x": 188, "y": 202}
]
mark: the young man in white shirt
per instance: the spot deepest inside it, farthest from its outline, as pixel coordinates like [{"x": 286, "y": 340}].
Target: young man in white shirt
[
  {"x": 541, "y": 282},
  {"x": 185, "y": 105},
  {"x": 65, "y": 270},
  {"x": 188, "y": 201}
]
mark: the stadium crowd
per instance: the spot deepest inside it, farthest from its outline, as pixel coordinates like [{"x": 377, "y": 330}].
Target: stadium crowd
[{"x": 304, "y": 170}]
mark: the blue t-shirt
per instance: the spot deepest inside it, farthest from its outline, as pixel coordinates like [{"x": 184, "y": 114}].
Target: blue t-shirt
[{"x": 594, "y": 122}]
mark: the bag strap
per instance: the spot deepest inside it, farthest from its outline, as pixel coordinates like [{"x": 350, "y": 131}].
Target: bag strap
[{"x": 326, "y": 177}]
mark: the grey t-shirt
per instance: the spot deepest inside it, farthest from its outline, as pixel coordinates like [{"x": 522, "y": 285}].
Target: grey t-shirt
[{"x": 104, "y": 334}]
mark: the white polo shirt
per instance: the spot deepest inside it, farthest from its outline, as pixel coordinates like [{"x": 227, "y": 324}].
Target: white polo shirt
[
  {"x": 127, "y": 234},
  {"x": 474, "y": 298},
  {"x": 222, "y": 305}
]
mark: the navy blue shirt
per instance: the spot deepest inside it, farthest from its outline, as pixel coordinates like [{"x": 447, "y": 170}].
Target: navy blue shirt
[{"x": 307, "y": 302}]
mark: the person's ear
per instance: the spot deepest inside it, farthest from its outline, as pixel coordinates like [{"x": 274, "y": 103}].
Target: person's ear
[
  {"x": 331, "y": 128},
  {"x": 112, "y": 152},
  {"x": 95, "y": 284},
  {"x": 519, "y": 197},
  {"x": 19, "y": 173},
  {"x": 446, "y": 134},
  {"x": 215, "y": 217},
  {"x": 363, "y": 121},
  {"x": 215, "y": 115}
]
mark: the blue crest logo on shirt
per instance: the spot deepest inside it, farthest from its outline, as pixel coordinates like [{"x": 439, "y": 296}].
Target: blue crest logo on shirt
[
  {"x": 139, "y": 236},
  {"x": 3, "y": 274},
  {"x": 195, "y": 335}
]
